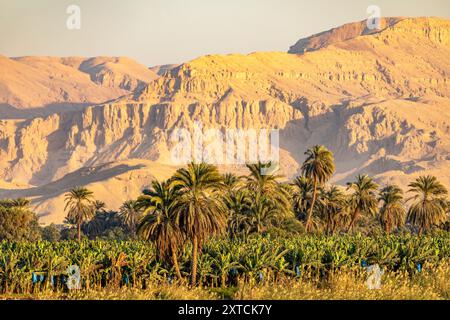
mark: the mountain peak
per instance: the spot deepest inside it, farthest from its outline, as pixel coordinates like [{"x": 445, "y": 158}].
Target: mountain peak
[{"x": 356, "y": 29}]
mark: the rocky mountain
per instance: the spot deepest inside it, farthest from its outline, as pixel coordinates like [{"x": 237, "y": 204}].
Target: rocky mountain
[
  {"x": 379, "y": 100},
  {"x": 345, "y": 32}
]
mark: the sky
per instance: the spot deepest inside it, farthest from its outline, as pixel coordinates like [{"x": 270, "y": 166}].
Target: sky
[{"x": 155, "y": 32}]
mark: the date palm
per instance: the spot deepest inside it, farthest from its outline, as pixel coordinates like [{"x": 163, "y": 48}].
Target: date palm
[
  {"x": 159, "y": 224},
  {"x": 99, "y": 206},
  {"x": 392, "y": 212},
  {"x": 231, "y": 181},
  {"x": 199, "y": 207},
  {"x": 363, "y": 199},
  {"x": 319, "y": 167},
  {"x": 332, "y": 206},
  {"x": 21, "y": 203},
  {"x": 238, "y": 204},
  {"x": 263, "y": 184},
  {"x": 262, "y": 215},
  {"x": 130, "y": 213},
  {"x": 79, "y": 204},
  {"x": 302, "y": 188},
  {"x": 429, "y": 205}
]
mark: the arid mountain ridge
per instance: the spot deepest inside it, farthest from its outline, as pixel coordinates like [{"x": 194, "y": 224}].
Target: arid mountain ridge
[{"x": 380, "y": 100}]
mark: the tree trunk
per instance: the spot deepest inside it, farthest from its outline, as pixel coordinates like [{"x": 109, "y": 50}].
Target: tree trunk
[
  {"x": 352, "y": 222},
  {"x": 310, "y": 211},
  {"x": 175, "y": 263},
  {"x": 388, "y": 229},
  {"x": 79, "y": 231},
  {"x": 194, "y": 261},
  {"x": 329, "y": 225}
]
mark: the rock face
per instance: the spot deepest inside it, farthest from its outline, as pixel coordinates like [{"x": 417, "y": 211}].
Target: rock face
[
  {"x": 380, "y": 101},
  {"x": 346, "y": 32}
]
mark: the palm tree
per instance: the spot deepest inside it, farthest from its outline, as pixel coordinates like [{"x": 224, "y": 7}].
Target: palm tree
[
  {"x": 392, "y": 212},
  {"x": 429, "y": 206},
  {"x": 102, "y": 222},
  {"x": 79, "y": 203},
  {"x": 332, "y": 205},
  {"x": 238, "y": 204},
  {"x": 363, "y": 199},
  {"x": 99, "y": 206},
  {"x": 231, "y": 181},
  {"x": 267, "y": 185},
  {"x": 199, "y": 208},
  {"x": 130, "y": 213},
  {"x": 159, "y": 224},
  {"x": 319, "y": 167},
  {"x": 21, "y": 203},
  {"x": 262, "y": 215},
  {"x": 302, "y": 195}
]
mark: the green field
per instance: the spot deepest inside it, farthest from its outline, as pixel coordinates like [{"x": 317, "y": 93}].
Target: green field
[{"x": 303, "y": 267}]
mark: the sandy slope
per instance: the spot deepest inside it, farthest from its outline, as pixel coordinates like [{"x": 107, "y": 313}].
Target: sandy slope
[{"x": 43, "y": 82}]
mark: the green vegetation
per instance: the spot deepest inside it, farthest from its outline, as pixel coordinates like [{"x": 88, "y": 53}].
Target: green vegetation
[
  {"x": 236, "y": 264},
  {"x": 234, "y": 236}
]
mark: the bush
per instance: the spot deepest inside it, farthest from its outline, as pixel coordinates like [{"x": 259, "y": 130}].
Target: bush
[
  {"x": 18, "y": 224},
  {"x": 51, "y": 233}
]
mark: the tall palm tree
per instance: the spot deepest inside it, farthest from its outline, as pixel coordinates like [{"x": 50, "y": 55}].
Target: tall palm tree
[
  {"x": 392, "y": 212},
  {"x": 363, "y": 199},
  {"x": 429, "y": 206},
  {"x": 302, "y": 195},
  {"x": 159, "y": 224},
  {"x": 79, "y": 203},
  {"x": 332, "y": 206},
  {"x": 319, "y": 167},
  {"x": 199, "y": 208},
  {"x": 130, "y": 213}
]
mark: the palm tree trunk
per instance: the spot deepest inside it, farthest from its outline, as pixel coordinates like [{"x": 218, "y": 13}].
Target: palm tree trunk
[
  {"x": 310, "y": 211},
  {"x": 175, "y": 263},
  {"x": 352, "y": 222},
  {"x": 329, "y": 224},
  {"x": 79, "y": 231},
  {"x": 194, "y": 261}
]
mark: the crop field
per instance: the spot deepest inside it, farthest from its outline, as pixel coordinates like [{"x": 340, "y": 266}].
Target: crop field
[{"x": 301, "y": 267}]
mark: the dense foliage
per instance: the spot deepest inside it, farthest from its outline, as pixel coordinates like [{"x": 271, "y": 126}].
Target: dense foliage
[
  {"x": 17, "y": 222},
  {"x": 259, "y": 259},
  {"x": 268, "y": 227}
]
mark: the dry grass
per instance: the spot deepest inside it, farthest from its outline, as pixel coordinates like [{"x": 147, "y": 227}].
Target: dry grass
[{"x": 431, "y": 283}]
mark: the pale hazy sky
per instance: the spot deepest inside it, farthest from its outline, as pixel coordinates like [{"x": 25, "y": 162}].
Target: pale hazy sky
[{"x": 172, "y": 31}]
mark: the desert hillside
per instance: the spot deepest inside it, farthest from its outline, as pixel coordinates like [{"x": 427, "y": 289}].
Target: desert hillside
[
  {"x": 44, "y": 85},
  {"x": 379, "y": 100}
]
